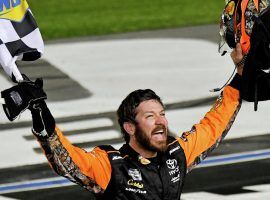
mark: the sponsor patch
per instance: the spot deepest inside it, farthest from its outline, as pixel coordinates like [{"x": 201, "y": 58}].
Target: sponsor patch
[
  {"x": 174, "y": 170},
  {"x": 117, "y": 158},
  {"x": 15, "y": 96},
  {"x": 135, "y": 183},
  {"x": 136, "y": 190},
  {"x": 176, "y": 178},
  {"x": 135, "y": 174},
  {"x": 171, "y": 163}
]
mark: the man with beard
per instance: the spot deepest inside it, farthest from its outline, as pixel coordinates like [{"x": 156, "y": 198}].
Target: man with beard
[{"x": 151, "y": 164}]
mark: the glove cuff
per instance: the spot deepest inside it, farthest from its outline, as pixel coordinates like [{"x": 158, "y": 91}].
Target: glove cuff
[
  {"x": 43, "y": 121},
  {"x": 40, "y": 134}
]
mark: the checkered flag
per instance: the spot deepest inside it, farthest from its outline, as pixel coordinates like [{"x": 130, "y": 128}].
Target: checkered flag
[{"x": 20, "y": 38}]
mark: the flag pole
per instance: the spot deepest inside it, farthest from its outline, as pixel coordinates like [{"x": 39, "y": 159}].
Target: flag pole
[
  {"x": 2, "y": 101},
  {"x": 14, "y": 70}
]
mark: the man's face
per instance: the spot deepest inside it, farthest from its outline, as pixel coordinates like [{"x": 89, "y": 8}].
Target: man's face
[{"x": 152, "y": 126}]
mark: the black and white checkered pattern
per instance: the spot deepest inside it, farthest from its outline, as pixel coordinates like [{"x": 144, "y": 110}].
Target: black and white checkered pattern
[{"x": 19, "y": 40}]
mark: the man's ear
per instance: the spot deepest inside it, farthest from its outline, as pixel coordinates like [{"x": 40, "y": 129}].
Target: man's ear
[{"x": 129, "y": 128}]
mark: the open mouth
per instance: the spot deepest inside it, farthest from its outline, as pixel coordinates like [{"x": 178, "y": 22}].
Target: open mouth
[
  {"x": 159, "y": 135},
  {"x": 159, "y": 132}
]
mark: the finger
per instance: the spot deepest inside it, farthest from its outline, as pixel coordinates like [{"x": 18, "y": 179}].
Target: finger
[
  {"x": 238, "y": 49},
  {"x": 233, "y": 53}
]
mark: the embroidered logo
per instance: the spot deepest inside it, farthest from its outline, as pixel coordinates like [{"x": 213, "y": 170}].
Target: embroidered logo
[
  {"x": 135, "y": 174},
  {"x": 117, "y": 158},
  {"x": 135, "y": 183},
  {"x": 15, "y": 96},
  {"x": 171, "y": 164},
  {"x": 174, "y": 168},
  {"x": 176, "y": 178}
]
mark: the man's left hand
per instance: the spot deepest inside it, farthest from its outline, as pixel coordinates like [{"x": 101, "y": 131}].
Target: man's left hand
[{"x": 238, "y": 58}]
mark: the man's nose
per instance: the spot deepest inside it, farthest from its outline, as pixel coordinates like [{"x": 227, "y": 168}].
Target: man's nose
[{"x": 161, "y": 120}]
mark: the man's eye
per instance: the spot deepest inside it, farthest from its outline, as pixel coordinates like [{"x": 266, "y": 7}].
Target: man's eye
[
  {"x": 149, "y": 116},
  {"x": 162, "y": 114}
]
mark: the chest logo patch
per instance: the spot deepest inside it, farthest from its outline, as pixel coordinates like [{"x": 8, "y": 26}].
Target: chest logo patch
[
  {"x": 171, "y": 163},
  {"x": 135, "y": 174}
]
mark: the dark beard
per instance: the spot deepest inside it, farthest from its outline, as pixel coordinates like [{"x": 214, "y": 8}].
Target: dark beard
[{"x": 146, "y": 143}]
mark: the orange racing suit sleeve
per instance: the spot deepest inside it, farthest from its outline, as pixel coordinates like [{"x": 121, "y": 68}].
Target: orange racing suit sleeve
[
  {"x": 209, "y": 132},
  {"x": 91, "y": 170}
]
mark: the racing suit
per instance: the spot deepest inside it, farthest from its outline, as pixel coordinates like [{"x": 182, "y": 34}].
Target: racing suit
[{"x": 124, "y": 174}]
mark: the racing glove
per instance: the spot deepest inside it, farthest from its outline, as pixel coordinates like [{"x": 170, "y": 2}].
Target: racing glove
[
  {"x": 43, "y": 121},
  {"x": 19, "y": 97}
]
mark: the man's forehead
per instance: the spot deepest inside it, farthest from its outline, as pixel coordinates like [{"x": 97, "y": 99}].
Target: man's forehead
[{"x": 150, "y": 106}]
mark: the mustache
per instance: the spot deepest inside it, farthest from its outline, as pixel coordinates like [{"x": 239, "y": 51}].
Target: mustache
[{"x": 160, "y": 127}]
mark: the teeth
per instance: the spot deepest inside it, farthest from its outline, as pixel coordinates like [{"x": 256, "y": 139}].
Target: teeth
[{"x": 161, "y": 131}]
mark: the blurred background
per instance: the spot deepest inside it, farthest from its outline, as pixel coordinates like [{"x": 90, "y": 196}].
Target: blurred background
[
  {"x": 96, "y": 52},
  {"x": 70, "y": 18}
]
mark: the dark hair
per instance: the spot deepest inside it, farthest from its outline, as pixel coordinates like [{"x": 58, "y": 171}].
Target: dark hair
[{"x": 127, "y": 109}]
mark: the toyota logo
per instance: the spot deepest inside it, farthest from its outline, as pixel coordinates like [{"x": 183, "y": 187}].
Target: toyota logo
[{"x": 171, "y": 164}]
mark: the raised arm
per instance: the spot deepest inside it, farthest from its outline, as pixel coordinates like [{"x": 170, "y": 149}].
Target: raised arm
[
  {"x": 91, "y": 170},
  {"x": 210, "y": 131}
]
